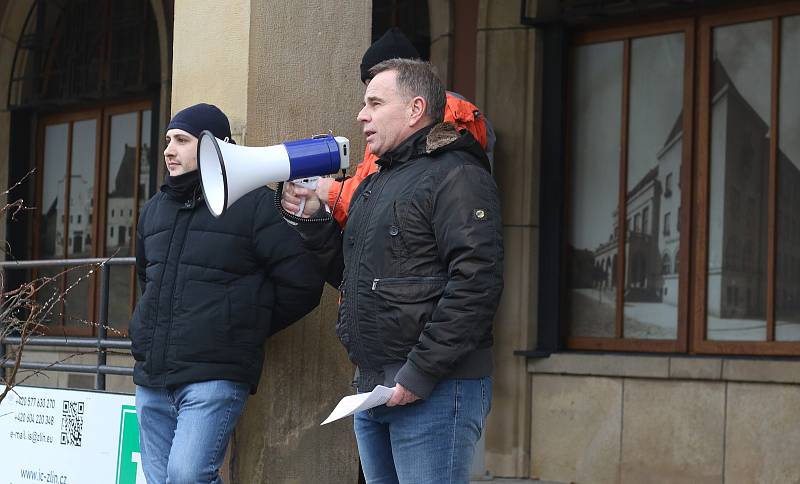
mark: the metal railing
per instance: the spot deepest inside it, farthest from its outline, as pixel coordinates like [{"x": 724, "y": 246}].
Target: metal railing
[{"x": 101, "y": 343}]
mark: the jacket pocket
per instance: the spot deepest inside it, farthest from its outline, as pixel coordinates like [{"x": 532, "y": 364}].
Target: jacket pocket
[
  {"x": 404, "y": 306},
  {"x": 140, "y": 329}
]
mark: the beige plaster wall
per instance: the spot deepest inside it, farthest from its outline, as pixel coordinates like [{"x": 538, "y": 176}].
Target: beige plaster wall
[
  {"x": 303, "y": 80},
  {"x": 506, "y": 91},
  {"x": 599, "y": 429},
  {"x": 210, "y": 59}
]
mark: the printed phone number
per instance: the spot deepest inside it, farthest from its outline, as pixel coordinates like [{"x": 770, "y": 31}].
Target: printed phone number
[
  {"x": 36, "y": 402},
  {"x": 34, "y": 418}
]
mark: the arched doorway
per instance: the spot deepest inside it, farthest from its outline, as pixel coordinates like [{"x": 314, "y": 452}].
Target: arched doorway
[{"x": 84, "y": 95}]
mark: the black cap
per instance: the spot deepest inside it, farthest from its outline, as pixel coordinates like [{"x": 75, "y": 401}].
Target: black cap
[
  {"x": 199, "y": 117},
  {"x": 393, "y": 44}
]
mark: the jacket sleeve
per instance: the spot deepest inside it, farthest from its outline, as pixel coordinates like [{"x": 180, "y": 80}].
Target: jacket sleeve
[
  {"x": 466, "y": 221},
  {"x": 323, "y": 241},
  {"x": 348, "y": 187},
  {"x": 297, "y": 282}
]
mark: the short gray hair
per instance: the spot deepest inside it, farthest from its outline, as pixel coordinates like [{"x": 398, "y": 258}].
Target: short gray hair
[{"x": 417, "y": 78}]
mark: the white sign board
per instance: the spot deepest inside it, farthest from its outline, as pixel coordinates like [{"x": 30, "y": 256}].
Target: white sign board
[{"x": 50, "y": 435}]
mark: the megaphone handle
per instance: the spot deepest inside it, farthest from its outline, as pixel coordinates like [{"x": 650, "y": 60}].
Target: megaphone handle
[{"x": 311, "y": 184}]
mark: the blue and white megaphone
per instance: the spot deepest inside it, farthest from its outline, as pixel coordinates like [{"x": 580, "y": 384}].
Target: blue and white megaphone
[{"x": 228, "y": 171}]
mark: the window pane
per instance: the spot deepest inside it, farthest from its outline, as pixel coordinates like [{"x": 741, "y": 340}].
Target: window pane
[
  {"x": 655, "y": 140},
  {"x": 738, "y": 205},
  {"x": 51, "y": 221},
  {"x": 51, "y": 232},
  {"x": 147, "y": 177},
  {"x": 79, "y": 242},
  {"x": 594, "y": 187},
  {"x": 147, "y": 173},
  {"x": 119, "y": 222},
  {"x": 787, "y": 288}
]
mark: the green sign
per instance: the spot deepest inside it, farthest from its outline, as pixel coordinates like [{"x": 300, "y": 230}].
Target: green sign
[{"x": 129, "y": 466}]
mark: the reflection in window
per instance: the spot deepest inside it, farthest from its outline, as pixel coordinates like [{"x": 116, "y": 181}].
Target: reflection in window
[
  {"x": 787, "y": 275},
  {"x": 596, "y": 101},
  {"x": 739, "y": 169},
  {"x": 655, "y": 140}
]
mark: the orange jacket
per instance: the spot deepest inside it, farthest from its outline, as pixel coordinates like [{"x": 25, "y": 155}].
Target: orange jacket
[{"x": 458, "y": 111}]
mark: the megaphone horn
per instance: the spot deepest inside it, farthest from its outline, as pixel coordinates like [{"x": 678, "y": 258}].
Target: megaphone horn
[{"x": 229, "y": 171}]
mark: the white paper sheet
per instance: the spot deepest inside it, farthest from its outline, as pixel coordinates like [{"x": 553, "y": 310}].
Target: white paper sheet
[{"x": 362, "y": 401}]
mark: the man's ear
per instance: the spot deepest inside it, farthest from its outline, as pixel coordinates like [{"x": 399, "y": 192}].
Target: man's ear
[{"x": 417, "y": 110}]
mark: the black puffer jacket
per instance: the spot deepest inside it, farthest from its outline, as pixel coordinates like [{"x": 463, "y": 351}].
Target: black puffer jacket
[
  {"x": 419, "y": 264},
  {"x": 214, "y": 289}
]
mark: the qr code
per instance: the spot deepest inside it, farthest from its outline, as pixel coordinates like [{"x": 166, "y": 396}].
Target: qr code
[{"x": 71, "y": 423}]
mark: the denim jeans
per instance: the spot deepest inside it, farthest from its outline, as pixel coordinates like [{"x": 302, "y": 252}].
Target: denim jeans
[
  {"x": 430, "y": 441},
  {"x": 184, "y": 430}
]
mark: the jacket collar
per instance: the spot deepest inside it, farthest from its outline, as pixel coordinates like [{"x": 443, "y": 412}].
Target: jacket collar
[
  {"x": 432, "y": 139},
  {"x": 412, "y": 147}
]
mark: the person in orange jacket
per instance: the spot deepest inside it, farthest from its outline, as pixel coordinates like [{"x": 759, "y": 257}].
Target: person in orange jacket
[{"x": 459, "y": 111}]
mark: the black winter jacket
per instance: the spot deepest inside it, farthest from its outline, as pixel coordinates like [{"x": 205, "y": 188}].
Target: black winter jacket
[
  {"x": 214, "y": 289},
  {"x": 419, "y": 264}
]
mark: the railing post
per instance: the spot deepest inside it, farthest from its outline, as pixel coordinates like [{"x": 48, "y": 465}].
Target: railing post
[{"x": 100, "y": 378}]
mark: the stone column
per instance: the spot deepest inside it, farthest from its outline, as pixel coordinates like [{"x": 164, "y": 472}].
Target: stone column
[
  {"x": 282, "y": 71},
  {"x": 506, "y": 89},
  {"x": 303, "y": 80}
]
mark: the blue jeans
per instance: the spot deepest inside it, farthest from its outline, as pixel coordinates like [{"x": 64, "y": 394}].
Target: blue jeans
[
  {"x": 184, "y": 430},
  {"x": 427, "y": 442}
]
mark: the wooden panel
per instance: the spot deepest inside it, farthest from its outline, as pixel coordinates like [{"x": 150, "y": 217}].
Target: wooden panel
[
  {"x": 686, "y": 212},
  {"x": 772, "y": 181},
  {"x": 622, "y": 203}
]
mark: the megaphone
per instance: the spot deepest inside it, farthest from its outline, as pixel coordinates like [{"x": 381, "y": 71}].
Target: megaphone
[{"x": 229, "y": 171}]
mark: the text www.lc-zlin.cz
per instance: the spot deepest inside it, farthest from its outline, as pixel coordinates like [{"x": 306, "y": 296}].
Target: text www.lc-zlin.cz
[{"x": 41, "y": 476}]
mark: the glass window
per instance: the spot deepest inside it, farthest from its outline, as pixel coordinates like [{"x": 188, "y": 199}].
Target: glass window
[
  {"x": 739, "y": 160},
  {"x": 81, "y": 186},
  {"x": 741, "y": 157},
  {"x": 67, "y": 230},
  {"x": 654, "y": 153},
  {"x": 595, "y": 157},
  {"x": 787, "y": 302}
]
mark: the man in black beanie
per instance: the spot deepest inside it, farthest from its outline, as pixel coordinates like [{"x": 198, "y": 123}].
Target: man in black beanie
[{"x": 214, "y": 289}]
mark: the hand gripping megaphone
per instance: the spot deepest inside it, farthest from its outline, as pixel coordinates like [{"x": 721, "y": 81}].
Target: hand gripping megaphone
[{"x": 229, "y": 171}]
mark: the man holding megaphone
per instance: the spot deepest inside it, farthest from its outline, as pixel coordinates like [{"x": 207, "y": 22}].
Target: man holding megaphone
[
  {"x": 419, "y": 268},
  {"x": 213, "y": 290}
]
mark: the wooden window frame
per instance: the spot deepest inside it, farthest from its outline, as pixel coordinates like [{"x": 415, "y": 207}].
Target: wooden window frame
[
  {"x": 627, "y": 34},
  {"x": 58, "y": 327},
  {"x": 700, "y": 343},
  {"x": 694, "y": 178},
  {"x": 102, "y": 116}
]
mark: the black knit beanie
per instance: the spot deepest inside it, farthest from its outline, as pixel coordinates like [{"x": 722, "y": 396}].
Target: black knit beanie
[
  {"x": 393, "y": 44},
  {"x": 199, "y": 117}
]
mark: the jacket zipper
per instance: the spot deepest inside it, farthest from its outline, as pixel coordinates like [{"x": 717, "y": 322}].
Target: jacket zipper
[
  {"x": 377, "y": 186},
  {"x": 187, "y": 205}
]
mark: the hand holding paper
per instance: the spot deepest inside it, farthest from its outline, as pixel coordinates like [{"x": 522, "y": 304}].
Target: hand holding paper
[{"x": 362, "y": 401}]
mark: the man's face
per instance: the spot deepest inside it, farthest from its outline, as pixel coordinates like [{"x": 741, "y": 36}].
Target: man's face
[
  {"x": 386, "y": 116},
  {"x": 180, "y": 154}
]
